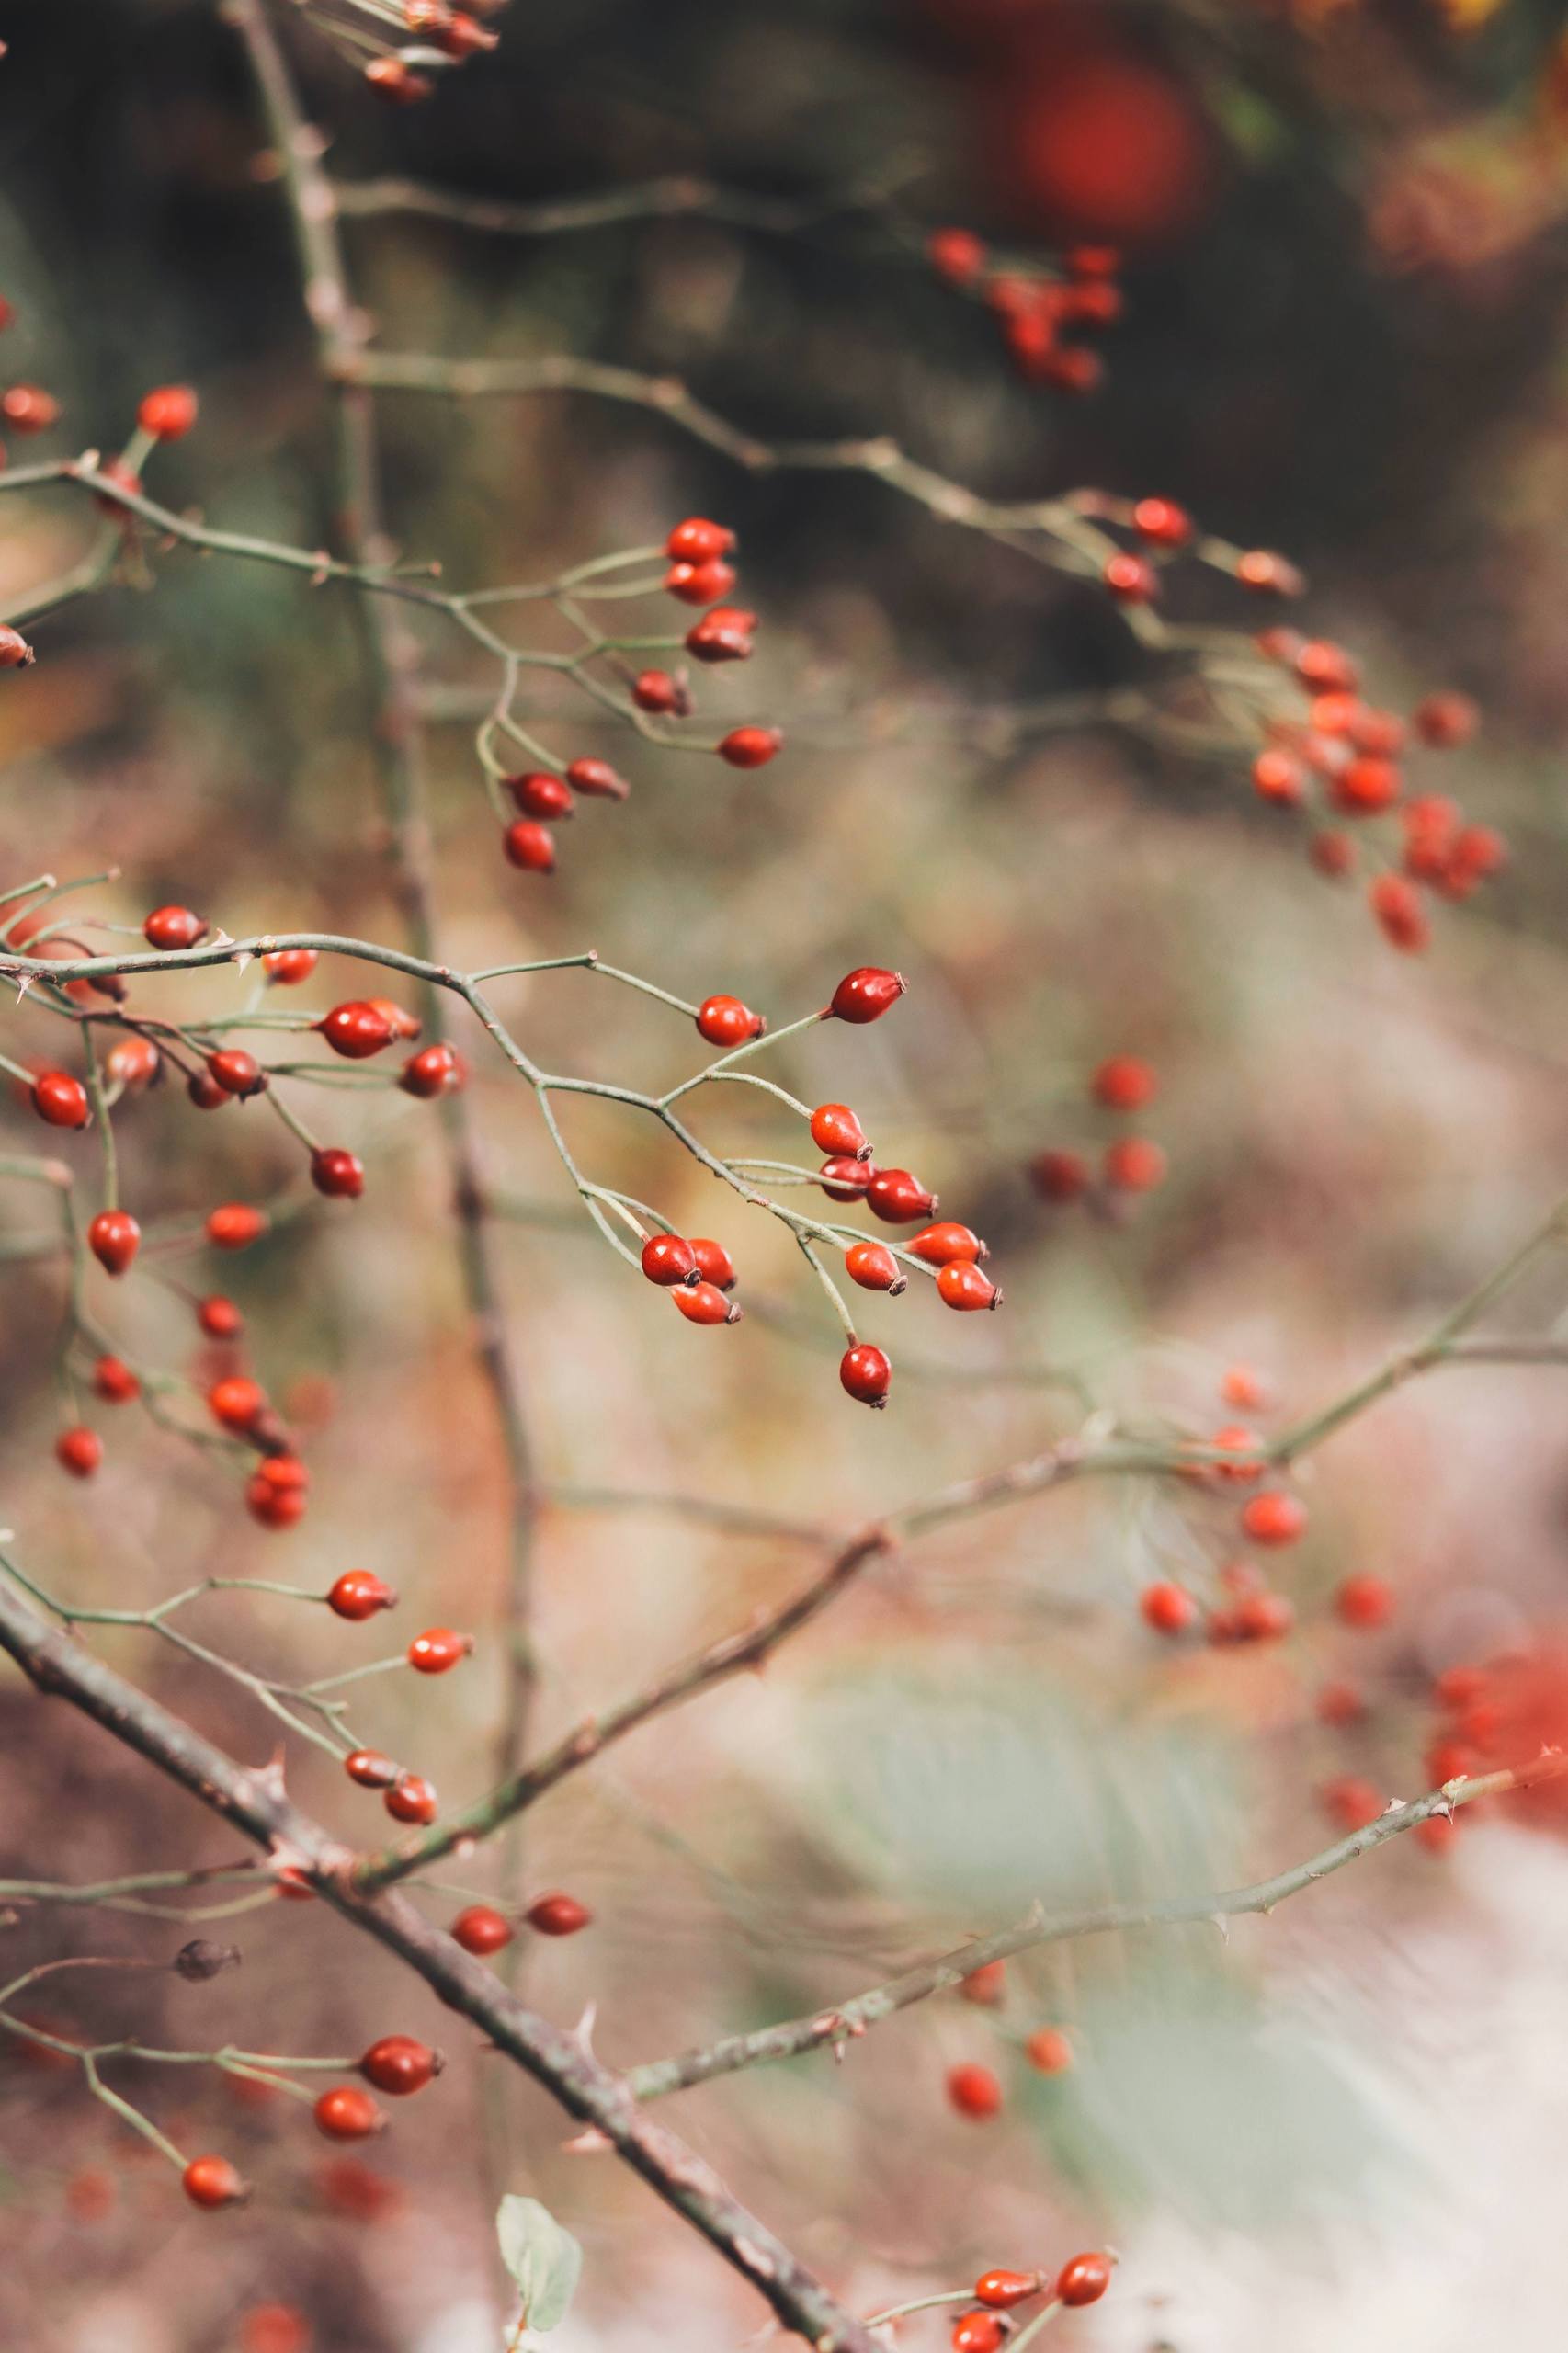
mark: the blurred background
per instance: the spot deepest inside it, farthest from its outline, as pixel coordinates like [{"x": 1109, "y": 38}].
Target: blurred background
[{"x": 1344, "y": 338}]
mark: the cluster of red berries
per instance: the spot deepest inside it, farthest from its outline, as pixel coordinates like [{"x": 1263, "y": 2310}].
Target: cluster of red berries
[
  {"x": 1343, "y": 758},
  {"x": 1129, "y": 1164},
  {"x": 999, "y": 2294},
  {"x": 480, "y": 1929},
  {"x": 1036, "y": 311},
  {"x": 438, "y": 35},
  {"x": 700, "y": 574},
  {"x": 397, "y": 2065},
  {"x": 359, "y": 1595}
]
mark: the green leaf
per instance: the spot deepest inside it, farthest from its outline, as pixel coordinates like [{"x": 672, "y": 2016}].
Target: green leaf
[{"x": 545, "y": 2260}]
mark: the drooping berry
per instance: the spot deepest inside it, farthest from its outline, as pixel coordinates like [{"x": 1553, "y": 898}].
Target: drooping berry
[
  {"x": 977, "y": 2333},
  {"x": 338, "y": 1173},
  {"x": 1060, "y": 1175},
  {"x": 211, "y": 2182},
  {"x": 131, "y": 1063},
  {"x": 666, "y": 698},
  {"x": 700, "y": 583},
  {"x": 724, "y": 634},
  {"x": 1162, "y": 521},
  {"x": 1049, "y": 2051},
  {"x": 1274, "y": 1518},
  {"x": 398, "y": 84},
  {"x": 1262, "y": 1617},
  {"x": 234, "y": 1226},
  {"x": 1131, "y": 580},
  {"x": 411, "y": 1799},
  {"x": 1446, "y": 720},
  {"x": 846, "y": 1180},
  {"x": 596, "y": 780},
  {"x": 79, "y": 1450},
  {"x": 168, "y": 412},
  {"x": 1352, "y": 1802},
  {"x": 276, "y": 1492},
  {"x": 697, "y": 541},
  {"x": 114, "y": 1382},
  {"x": 370, "y": 1769},
  {"x": 957, "y": 254},
  {"x": 287, "y": 967},
  {"x": 345, "y": 2114},
  {"x": 986, "y": 1986},
  {"x": 1364, "y": 1601},
  {"x": 60, "y": 1101},
  {"x": 703, "y": 1302},
  {"x": 874, "y": 1267},
  {"x": 1401, "y": 916},
  {"x": 1267, "y": 575},
  {"x": 751, "y": 747},
  {"x": 961, "y": 1284},
  {"x": 1133, "y": 1165},
  {"x": 219, "y": 1318},
  {"x": 236, "y": 1403},
  {"x": 482, "y": 1930},
  {"x": 835, "y": 1129},
  {"x": 1168, "y": 1609},
  {"x": 172, "y": 928},
  {"x": 16, "y": 653},
  {"x": 714, "y": 1263},
  {"x": 897, "y": 1197},
  {"x": 866, "y": 994},
  {"x": 434, "y": 1070},
  {"x": 438, "y": 1650},
  {"x": 1083, "y": 2278},
  {"x": 539, "y": 795},
  {"x": 668, "y": 1259},
  {"x": 27, "y": 408},
  {"x": 725, "y": 1021},
  {"x": 1279, "y": 777},
  {"x": 973, "y": 2090},
  {"x": 940, "y": 1245},
  {"x": 358, "y": 1594},
  {"x": 866, "y": 1373},
  {"x": 557, "y": 1916},
  {"x": 399, "y": 2065},
  {"x": 529, "y": 845},
  {"x": 356, "y": 1030},
  {"x": 114, "y": 1237},
  {"x": 236, "y": 1071}
]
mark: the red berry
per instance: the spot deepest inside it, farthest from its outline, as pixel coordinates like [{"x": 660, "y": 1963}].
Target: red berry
[
  {"x": 411, "y": 1799},
  {"x": 393, "y": 80},
  {"x": 529, "y": 845},
  {"x": 973, "y": 2090},
  {"x": 15, "y": 652},
  {"x": 668, "y": 1259},
  {"x": 1351, "y": 1803},
  {"x": 79, "y": 1450},
  {"x": 114, "y": 1237},
  {"x": 275, "y": 2328},
  {"x": 1049, "y": 2053},
  {"x": 656, "y": 691},
  {"x": 236, "y": 1403},
  {"x": 399, "y": 2067},
  {"x": 1131, "y": 580},
  {"x": 1170, "y": 1609},
  {"x": 751, "y": 747},
  {"x": 714, "y": 1263},
  {"x": 1133, "y": 1165},
  {"x": 1002, "y": 2290},
  {"x": 28, "y": 408},
  {"x": 482, "y": 1930},
  {"x": 1085, "y": 2278},
  {"x": 356, "y": 1029},
  {"x": 1334, "y": 855},
  {"x": 722, "y": 635},
  {"x": 1339, "y": 1703},
  {"x": 835, "y": 1129},
  {"x": 167, "y": 413},
  {"x": 1123, "y": 1083},
  {"x": 132, "y": 1062},
  {"x": 345, "y": 2114},
  {"x": 274, "y": 1494},
  {"x": 977, "y": 2333},
  {"x": 1364, "y": 1601},
  {"x": 235, "y": 1226},
  {"x": 1267, "y": 575},
  {"x": 898, "y": 1198},
  {"x": 703, "y": 1302},
  {"x": 236, "y": 1071},
  {"x": 114, "y": 1382},
  {"x": 60, "y": 1101},
  {"x": 287, "y": 967},
  {"x": 1397, "y": 906},
  {"x": 205, "y": 1092},
  {"x": 1446, "y": 720},
  {"x": 985, "y": 1986},
  {"x": 1322, "y": 665},
  {"x": 1366, "y": 786},
  {"x": 961, "y": 1284},
  {"x": 211, "y": 2182},
  {"x": 219, "y": 1318},
  {"x": 402, "y": 1023},
  {"x": 700, "y": 583},
  {"x": 1241, "y": 1387},
  {"x": 557, "y": 1916},
  {"x": 938, "y": 1244},
  {"x": 867, "y": 1374},
  {"x": 725, "y": 1021},
  {"x": 539, "y": 794},
  {"x": 1274, "y": 1518},
  {"x": 171, "y": 929},
  {"x": 957, "y": 254},
  {"x": 1060, "y": 1175},
  {"x": 1162, "y": 521},
  {"x": 698, "y": 541},
  {"x": 1262, "y": 1618},
  {"x": 360, "y": 1593},
  {"x": 846, "y": 1180},
  {"x": 596, "y": 779},
  {"x": 339, "y": 1174},
  {"x": 438, "y": 1650},
  {"x": 874, "y": 1267},
  {"x": 866, "y": 994},
  {"x": 370, "y": 1769},
  {"x": 434, "y": 1070}
]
